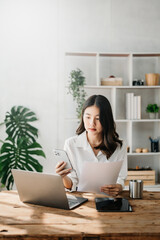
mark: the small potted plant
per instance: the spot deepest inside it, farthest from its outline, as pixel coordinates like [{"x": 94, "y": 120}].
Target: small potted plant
[
  {"x": 76, "y": 89},
  {"x": 153, "y": 110}
]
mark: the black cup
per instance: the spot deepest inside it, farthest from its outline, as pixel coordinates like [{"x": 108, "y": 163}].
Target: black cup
[{"x": 155, "y": 146}]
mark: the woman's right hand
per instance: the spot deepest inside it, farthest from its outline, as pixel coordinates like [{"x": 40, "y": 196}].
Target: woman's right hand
[
  {"x": 63, "y": 173},
  {"x": 60, "y": 169}
]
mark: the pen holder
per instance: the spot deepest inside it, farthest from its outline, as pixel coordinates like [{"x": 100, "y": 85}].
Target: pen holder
[
  {"x": 136, "y": 188},
  {"x": 155, "y": 146}
]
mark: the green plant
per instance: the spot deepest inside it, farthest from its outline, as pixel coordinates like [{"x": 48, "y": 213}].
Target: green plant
[
  {"x": 20, "y": 147},
  {"x": 153, "y": 108},
  {"x": 76, "y": 89}
]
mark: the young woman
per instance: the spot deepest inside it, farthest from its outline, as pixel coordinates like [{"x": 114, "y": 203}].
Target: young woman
[{"x": 97, "y": 141}]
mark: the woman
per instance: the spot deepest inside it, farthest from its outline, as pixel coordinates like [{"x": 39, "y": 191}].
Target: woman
[{"x": 96, "y": 140}]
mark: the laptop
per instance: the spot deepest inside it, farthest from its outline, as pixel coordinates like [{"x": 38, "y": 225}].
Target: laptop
[{"x": 44, "y": 189}]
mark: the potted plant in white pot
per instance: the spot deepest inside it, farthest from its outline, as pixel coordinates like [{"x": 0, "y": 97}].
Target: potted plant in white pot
[
  {"x": 153, "y": 110},
  {"x": 76, "y": 89}
]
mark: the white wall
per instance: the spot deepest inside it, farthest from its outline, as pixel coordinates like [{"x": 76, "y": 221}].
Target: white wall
[
  {"x": 111, "y": 25},
  {"x": 34, "y": 34},
  {"x": 28, "y": 63}
]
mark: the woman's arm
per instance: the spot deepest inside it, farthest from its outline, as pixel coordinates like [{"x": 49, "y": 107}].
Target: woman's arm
[
  {"x": 67, "y": 182},
  {"x": 70, "y": 149}
]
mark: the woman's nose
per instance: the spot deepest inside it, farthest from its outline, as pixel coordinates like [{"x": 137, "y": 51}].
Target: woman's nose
[{"x": 92, "y": 122}]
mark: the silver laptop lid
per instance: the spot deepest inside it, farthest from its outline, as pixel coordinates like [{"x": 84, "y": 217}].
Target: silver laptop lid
[{"x": 40, "y": 188}]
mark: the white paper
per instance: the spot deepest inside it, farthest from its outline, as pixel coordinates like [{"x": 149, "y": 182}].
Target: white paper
[{"x": 94, "y": 175}]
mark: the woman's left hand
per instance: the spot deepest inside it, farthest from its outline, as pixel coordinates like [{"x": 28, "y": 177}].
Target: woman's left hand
[{"x": 112, "y": 189}]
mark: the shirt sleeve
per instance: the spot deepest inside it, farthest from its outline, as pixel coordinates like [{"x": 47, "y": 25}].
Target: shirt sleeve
[
  {"x": 124, "y": 169},
  {"x": 73, "y": 174}
]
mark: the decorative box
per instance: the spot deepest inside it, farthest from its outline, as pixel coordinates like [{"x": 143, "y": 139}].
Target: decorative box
[
  {"x": 111, "y": 81},
  {"x": 148, "y": 176}
]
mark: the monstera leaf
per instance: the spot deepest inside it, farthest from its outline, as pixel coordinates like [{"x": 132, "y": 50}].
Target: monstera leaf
[
  {"x": 20, "y": 147},
  {"x": 18, "y": 123}
]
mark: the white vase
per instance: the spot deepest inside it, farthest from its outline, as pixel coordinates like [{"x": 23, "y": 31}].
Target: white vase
[{"x": 153, "y": 115}]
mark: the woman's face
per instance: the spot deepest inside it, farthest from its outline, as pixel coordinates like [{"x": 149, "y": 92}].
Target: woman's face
[{"x": 91, "y": 120}]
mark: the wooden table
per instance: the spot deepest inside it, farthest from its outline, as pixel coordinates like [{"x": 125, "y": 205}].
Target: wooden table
[{"x": 31, "y": 222}]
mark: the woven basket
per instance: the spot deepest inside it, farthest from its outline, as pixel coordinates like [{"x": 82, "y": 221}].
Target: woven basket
[{"x": 111, "y": 81}]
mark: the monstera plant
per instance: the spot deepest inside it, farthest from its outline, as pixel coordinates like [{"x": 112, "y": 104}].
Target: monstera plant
[{"x": 19, "y": 149}]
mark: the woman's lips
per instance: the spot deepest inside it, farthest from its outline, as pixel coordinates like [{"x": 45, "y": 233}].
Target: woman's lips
[{"x": 92, "y": 129}]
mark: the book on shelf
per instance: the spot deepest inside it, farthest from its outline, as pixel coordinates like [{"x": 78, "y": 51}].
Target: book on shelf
[{"x": 133, "y": 106}]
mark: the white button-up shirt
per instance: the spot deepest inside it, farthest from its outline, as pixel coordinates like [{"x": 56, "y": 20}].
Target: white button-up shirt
[{"x": 79, "y": 150}]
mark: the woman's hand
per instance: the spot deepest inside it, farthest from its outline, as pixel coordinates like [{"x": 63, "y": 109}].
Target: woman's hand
[
  {"x": 63, "y": 173},
  {"x": 60, "y": 169},
  {"x": 112, "y": 189}
]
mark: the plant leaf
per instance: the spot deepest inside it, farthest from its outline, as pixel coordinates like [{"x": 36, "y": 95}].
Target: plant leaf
[
  {"x": 18, "y": 123},
  {"x": 18, "y": 155}
]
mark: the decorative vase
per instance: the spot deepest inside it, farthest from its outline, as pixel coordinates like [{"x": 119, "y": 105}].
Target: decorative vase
[
  {"x": 153, "y": 115},
  {"x": 152, "y": 79}
]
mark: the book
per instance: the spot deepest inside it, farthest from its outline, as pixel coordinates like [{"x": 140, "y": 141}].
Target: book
[
  {"x": 129, "y": 105},
  {"x": 133, "y": 106}
]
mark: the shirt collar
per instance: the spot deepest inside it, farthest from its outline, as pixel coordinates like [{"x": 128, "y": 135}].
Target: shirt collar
[{"x": 82, "y": 141}]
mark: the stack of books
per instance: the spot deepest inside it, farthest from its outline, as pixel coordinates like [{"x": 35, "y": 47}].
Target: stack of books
[{"x": 133, "y": 106}]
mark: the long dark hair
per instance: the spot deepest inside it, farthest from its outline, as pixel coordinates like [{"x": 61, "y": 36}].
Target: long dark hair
[{"x": 110, "y": 136}]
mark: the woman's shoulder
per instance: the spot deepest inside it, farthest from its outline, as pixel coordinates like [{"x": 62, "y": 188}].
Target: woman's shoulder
[
  {"x": 71, "y": 140},
  {"x": 77, "y": 140}
]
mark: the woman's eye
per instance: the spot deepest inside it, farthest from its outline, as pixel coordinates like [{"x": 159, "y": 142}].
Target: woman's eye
[{"x": 97, "y": 119}]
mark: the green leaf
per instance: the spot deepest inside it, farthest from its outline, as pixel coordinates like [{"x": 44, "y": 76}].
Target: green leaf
[
  {"x": 20, "y": 149},
  {"x": 76, "y": 89},
  {"x": 152, "y": 108},
  {"x": 18, "y": 123}
]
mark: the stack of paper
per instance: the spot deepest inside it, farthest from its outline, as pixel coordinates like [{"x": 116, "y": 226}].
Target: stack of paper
[
  {"x": 99, "y": 174},
  {"x": 133, "y": 106}
]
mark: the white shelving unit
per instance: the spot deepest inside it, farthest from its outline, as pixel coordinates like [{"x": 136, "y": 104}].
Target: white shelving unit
[{"x": 129, "y": 66}]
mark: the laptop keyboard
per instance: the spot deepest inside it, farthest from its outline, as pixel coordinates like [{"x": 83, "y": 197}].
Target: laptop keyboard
[{"x": 72, "y": 202}]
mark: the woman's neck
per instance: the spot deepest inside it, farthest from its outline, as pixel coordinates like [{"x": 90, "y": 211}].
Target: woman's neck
[{"x": 94, "y": 140}]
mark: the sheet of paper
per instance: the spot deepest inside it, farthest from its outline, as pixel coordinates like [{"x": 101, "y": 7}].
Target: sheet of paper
[{"x": 96, "y": 174}]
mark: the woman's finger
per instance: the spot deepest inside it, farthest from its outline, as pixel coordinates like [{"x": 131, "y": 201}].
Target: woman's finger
[
  {"x": 64, "y": 172},
  {"x": 60, "y": 164},
  {"x": 110, "y": 191},
  {"x": 61, "y": 170}
]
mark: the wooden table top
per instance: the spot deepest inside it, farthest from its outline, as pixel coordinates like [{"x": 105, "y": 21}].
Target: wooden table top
[{"x": 31, "y": 222}]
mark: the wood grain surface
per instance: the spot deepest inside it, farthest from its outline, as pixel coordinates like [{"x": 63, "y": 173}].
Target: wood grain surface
[{"x": 32, "y": 222}]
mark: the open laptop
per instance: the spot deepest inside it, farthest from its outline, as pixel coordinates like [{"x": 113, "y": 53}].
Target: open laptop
[{"x": 44, "y": 189}]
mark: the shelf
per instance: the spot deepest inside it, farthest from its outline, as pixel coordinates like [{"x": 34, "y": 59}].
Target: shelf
[
  {"x": 119, "y": 120},
  {"x": 122, "y": 120},
  {"x": 146, "y": 54},
  {"x": 144, "y": 154},
  {"x": 146, "y": 120},
  {"x": 112, "y": 54},
  {"x": 128, "y": 66},
  {"x": 123, "y": 87},
  {"x": 140, "y": 120},
  {"x": 150, "y": 188},
  {"x": 81, "y": 54}
]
